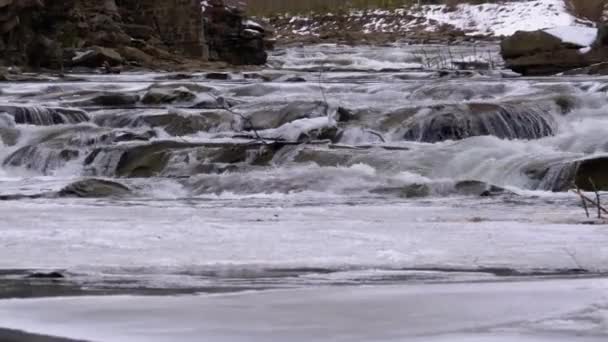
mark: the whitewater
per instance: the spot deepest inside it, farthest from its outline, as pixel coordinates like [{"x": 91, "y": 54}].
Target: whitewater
[{"x": 340, "y": 194}]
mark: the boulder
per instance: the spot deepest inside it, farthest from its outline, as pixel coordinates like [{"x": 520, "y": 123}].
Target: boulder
[
  {"x": 478, "y": 188},
  {"x": 97, "y": 57},
  {"x": 592, "y": 174},
  {"x": 539, "y": 53},
  {"x": 94, "y": 188},
  {"x": 180, "y": 124},
  {"x": 111, "y": 100},
  {"x": 233, "y": 38},
  {"x": 456, "y": 122},
  {"x": 587, "y": 174},
  {"x": 524, "y": 43}
]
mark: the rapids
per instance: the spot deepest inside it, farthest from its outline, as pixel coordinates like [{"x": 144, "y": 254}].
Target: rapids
[{"x": 334, "y": 165}]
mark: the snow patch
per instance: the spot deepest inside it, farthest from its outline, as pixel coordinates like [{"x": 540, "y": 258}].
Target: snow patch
[{"x": 581, "y": 36}]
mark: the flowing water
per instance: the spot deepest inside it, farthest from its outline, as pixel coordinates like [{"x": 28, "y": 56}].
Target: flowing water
[{"x": 334, "y": 168}]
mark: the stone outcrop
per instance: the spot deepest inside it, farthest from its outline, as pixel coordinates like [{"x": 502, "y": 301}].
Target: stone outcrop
[
  {"x": 231, "y": 37},
  {"x": 540, "y": 53},
  {"x": 159, "y": 34}
]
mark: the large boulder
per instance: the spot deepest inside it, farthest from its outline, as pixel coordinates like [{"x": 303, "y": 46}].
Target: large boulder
[
  {"x": 542, "y": 53},
  {"x": 233, "y": 38},
  {"x": 456, "y": 122},
  {"x": 587, "y": 174},
  {"x": 524, "y": 43}
]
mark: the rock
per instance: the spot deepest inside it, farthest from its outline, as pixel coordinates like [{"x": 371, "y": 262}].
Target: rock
[
  {"x": 136, "y": 56},
  {"x": 180, "y": 124},
  {"x": 275, "y": 115},
  {"x": 540, "y": 53},
  {"x": 46, "y": 275},
  {"x": 167, "y": 96},
  {"x": 478, "y": 188},
  {"x": 94, "y": 188},
  {"x": 408, "y": 191},
  {"x": 9, "y": 136},
  {"x": 232, "y": 38},
  {"x": 97, "y": 57},
  {"x": 186, "y": 159},
  {"x": 147, "y": 160},
  {"x": 524, "y": 43},
  {"x": 222, "y": 76},
  {"x": 600, "y": 69},
  {"x": 456, "y": 122},
  {"x": 45, "y": 116},
  {"x": 592, "y": 174},
  {"x": 44, "y": 52},
  {"x": 111, "y": 100}
]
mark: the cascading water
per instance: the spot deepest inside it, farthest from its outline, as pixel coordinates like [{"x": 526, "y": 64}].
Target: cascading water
[{"x": 378, "y": 172}]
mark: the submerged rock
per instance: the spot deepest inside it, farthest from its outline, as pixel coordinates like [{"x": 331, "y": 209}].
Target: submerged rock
[
  {"x": 478, "y": 188},
  {"x": 177, "y": 159},
  {"x": 94, "y": 188},
  {"x": 408, "y": 191},
  {"x": 111, "y": 100},
  {"x": 9, "y": 136},
  {"x": 455, "y": 122},
  {"x": 46, "y": 275}
]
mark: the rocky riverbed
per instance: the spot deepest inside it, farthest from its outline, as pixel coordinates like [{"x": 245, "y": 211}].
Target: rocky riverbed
[{"x": 419, "y": 172}]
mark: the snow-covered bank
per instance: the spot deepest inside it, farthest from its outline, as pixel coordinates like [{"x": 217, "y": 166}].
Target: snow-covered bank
[
  {"x": 501, "y": 19},
  {"x": 435, "y": 21},
  {"x": 555, "y": 310}
]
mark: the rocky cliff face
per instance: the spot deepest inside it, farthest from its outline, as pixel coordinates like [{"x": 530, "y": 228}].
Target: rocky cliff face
[{"x": 153, "y": 34}]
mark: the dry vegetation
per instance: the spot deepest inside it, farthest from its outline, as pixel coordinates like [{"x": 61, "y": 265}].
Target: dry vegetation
[
  {"x": 590, "y": 9},
  {"x": 265, "y": 7}
]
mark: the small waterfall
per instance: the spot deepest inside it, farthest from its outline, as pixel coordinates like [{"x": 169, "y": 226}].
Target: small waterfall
[
  {"x": 505, "y": 121},
  {"x": 559, "y": 177},
  {"x": 45, "y": 116},
  {"x": 40, "y": 158}
]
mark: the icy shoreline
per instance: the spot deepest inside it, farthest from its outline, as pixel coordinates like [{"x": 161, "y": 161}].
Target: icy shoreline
[{"x": 552, "y": 310}]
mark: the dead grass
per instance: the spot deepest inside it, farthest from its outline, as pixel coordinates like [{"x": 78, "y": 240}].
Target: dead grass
[{"x": 589, "y": 9}]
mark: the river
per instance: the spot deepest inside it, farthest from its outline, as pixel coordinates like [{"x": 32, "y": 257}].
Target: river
[{"x": 340, "y": 194}]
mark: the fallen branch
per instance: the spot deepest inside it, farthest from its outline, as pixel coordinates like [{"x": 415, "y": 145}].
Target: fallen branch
[
  {"x": 594, "y": 203},
  {"x": 221, "y": 101}
]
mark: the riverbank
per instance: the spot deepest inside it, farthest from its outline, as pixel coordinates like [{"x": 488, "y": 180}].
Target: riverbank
[{"x": 427, "y": 24}]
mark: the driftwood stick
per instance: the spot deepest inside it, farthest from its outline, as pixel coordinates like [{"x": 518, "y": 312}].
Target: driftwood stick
[
  {"x": 594, "y": 203},
  {"x": 597, "y": 198},
  {"x": 578, "y": 192}
]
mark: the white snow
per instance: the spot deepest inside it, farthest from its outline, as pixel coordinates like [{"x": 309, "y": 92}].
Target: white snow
[
  {"x": 581, "y": 36},
  {"x": 492, "y": 19},
  {"x": 502, "y": 19},
  {"x": 535, "y": 311}
]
